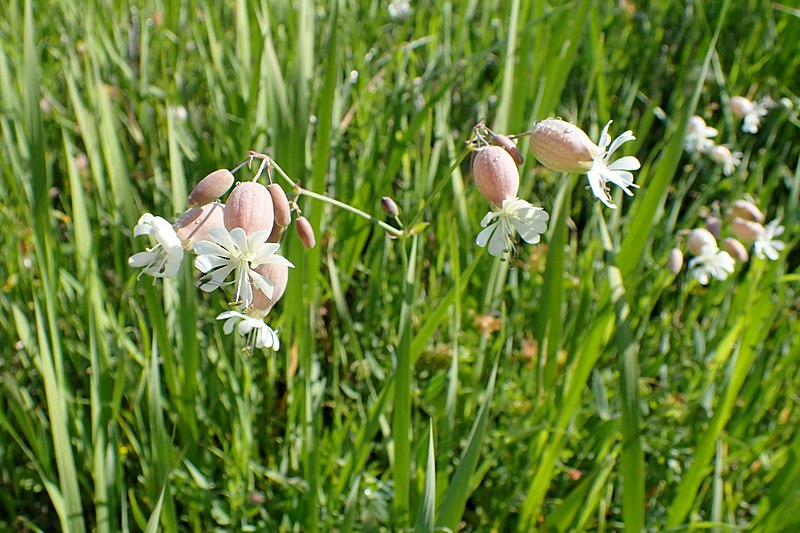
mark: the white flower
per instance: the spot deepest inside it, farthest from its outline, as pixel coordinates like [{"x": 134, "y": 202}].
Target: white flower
[
  {"x": 163, "y": 260},
  {"x": 235, "y": 251},
  {"x": 766, "y": 244},
  {"x": 514, "y": 216},
  {"x": 400, "y": 9},
  {"x": 729, "y": 160},
  {"x": 698, "y": 136},
  {"x": 711, "y": 261},
  {"x": 617, "y": 172},
  {"x": 258, "y": 333},
  {"x": 752, "y": 112}
]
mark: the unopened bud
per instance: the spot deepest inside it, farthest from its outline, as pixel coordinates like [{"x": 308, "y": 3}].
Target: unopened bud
[
  {"x": 746, "y": 230},
  {"x": 278, "y": 275},
  {"x": 280, "y": 205},
  {"x": 740, "y": 106},
  {"x": 713, "y": 225},
  {"x": 746, "y": 210},
  {"x": 721, "y": 154},
  {"x": 195, "y": 223},
  {"x": 496, "y": 174},
  {"x": 249, "y": 207},
  {"x": 736, "y": 249},
  {"x": 389, "y": 207},
  {"x": 276, "y": 234},
  {"x": 305, "y": 232},
  {"x": 509, "y": 146},
  {"x": 562, "y": 146},
  {"x": 675, "y": 261},
  {"x": 698, "y": 239},
  {"x": 696, "y": 124},
  {"x": 211, "y": 188}
]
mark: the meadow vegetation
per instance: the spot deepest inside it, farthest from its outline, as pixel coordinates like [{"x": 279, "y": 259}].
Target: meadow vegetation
[{"x": 421, "y": 383}]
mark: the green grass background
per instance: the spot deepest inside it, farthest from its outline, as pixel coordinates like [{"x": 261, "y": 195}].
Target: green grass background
[{"x": 613, "y": 396}]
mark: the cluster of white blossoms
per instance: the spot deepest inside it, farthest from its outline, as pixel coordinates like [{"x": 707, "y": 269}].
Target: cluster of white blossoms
[
  {"x": 556, "y": 144},
  {"x": 745, "y": 227},
  {"x": 699, "y": 138},
  {"x": 236, "y": 245}
]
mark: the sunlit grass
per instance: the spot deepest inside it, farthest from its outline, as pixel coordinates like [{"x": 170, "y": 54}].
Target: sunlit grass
[{"x": 421, "y": 382}]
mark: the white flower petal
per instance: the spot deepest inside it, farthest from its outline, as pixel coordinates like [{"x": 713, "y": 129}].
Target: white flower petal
[
  {"x": 498, "y": 244},
  {"x": 484, "y": 235},
  {"x": 628, "y": 162}
]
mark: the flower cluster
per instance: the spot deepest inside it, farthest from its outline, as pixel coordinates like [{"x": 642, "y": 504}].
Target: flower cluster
[
  {"x": 699, "y": 136},
  {"x": 745, "y": 227},
  {"x": 556, "y": 144},
  {"x": 494, "y": 167},
  {"x": 236, "y": 244}
]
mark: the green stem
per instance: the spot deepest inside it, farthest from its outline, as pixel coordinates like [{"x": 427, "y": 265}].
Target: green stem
[{"x": 270, "y": 163}]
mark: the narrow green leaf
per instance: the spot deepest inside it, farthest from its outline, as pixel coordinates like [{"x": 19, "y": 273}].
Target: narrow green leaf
[
  {"x": 427, "y": 506},
  {"x": 455, "y": 499}
]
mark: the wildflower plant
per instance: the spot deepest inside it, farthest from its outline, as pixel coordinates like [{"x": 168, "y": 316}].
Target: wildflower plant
[
  {"x": 236, "y": 243},
  {"x": 494, "y": 167}
]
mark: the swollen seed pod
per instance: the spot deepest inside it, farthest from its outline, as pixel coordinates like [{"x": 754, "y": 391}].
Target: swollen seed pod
[
  {"x": 675, "y": 260},
  {"x": 249, "y": 207},
  {"x": 276, "y": 234},
  {"x": 196, "y": 222},
  {"x": 713, "y": 225},
  {"x": 746, "y": 230},
  {"x": 698, "y": 239},
  {"x": 278, "y": 275},
  {"x": 280, "y": 205},
  {"x": 305, "y": 232},
  {"x": 509, "y": 146},
  {"x": 211, "y": 188},
  {"x": 746, "y": 210},
  {"x": 496, "y": 174},
  {"x": 736, "y": 249},
  {"x": 562, "y": 146}
]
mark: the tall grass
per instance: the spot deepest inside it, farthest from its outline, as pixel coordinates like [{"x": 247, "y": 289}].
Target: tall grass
[{"x": 421, "y": 383}]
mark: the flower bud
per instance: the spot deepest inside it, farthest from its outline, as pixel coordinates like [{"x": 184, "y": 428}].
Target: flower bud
[
  {"x": 509, "y": 146},
  {"x": 746, "y": 210},
  {"x": 280, "y": 205},
  {"x": 496, "y": 174},
  {"x": 736, "y": 249},
  {"x": 249, "y": 207},
  {"x": 562, "y": 146},
  {"x": 276, "y": 235},
  {"x": 713, "y": 225},
  {"x": 740, "y": 106},
  {"x": 196, "y": 222},
  {"x": 721, "y": 154},
  {"x": 305, "y": 232},
  {"x": 675, "y": 261},
  {"x": 389, "y": 207},
  {"x": 278, "y": 275},
  {"x": 746, "y": 230},
  {"x": 698, "y": 239},
  {"x": 696, "y": 124},
  {"x": 211, "y": 188}
]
